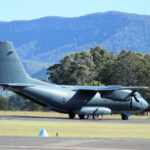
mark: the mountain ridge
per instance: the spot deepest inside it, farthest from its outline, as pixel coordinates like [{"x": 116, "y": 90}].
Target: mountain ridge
[{"x": 44, "y": 41}]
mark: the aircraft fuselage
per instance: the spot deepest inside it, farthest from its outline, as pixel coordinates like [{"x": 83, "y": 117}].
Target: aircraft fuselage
[{"x": 65, "y": 99}]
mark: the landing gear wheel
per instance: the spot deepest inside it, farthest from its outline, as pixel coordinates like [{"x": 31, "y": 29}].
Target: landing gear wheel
[
  {"x": 124, "y": 117},
  {"x": 72, "y": 115},
  {"x": 86, "y": 116},
  {"x": 95, "y": 116},
  {"x": 83, "y": 116}
]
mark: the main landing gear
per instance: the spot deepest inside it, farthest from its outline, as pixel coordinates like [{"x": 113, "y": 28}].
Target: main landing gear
[
  {"x": 83, "y": 116},
  {"x": 95, "y": 116},
  {"x": 124, "y": 117},
  {"x": 72, "y": 115}
]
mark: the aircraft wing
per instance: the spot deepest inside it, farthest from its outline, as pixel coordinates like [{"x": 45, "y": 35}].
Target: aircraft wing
[{"x": 107, "y": 88}]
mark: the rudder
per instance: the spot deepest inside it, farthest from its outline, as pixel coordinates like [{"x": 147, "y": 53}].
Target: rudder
[{"x": 11, "y": 69}]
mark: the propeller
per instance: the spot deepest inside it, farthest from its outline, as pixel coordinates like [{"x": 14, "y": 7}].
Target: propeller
[
  {"x": 133, "y": 94},
  {"x": 131, "y": 102}
]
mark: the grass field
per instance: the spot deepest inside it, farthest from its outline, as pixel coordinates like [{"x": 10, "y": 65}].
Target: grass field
[
  {"x": 23, "y": 128},
  {"x": 69, "y": 129}
]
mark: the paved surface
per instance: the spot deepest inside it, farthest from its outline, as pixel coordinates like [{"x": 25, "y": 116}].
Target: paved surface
[
  {"x": 58, "y": 119},
  {"x": 39, "y": 143}
]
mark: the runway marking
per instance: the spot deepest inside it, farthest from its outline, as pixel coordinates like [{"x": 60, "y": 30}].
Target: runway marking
[{"x": 65, "y": 148}]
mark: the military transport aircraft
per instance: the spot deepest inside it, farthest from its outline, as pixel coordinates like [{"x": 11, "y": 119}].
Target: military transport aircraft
[{"x": 81, "y": 100}]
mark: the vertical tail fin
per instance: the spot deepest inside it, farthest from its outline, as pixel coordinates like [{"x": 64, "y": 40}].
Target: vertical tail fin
[{"x": 11, "y": 69}]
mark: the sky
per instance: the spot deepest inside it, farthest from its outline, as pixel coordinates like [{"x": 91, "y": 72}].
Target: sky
[{"x": 32, "y": 9}]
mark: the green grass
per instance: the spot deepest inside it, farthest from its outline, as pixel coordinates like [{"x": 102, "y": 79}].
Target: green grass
[
  {"x": 32, "y": 113},
  {"x": 24, "y": 128},
  {"x": 72, "y": 129}
]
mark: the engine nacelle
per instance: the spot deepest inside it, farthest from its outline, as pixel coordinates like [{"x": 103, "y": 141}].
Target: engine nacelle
[
  {"x": 94, "y": 110},
  {"x": 118, "y": 95}
]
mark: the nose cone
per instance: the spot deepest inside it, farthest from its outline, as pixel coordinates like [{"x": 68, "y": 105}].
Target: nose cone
[{"x": 145, "y": 104}]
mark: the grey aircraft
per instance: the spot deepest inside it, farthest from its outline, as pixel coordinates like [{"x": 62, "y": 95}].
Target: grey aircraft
[{"x": 81, "y": 100}]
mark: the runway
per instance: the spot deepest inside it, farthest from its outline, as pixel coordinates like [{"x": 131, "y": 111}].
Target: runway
[
  {"x": 63, "y": 119},
  {"x": 38, "y": 143},
  {"x": 59, "y": 143}
]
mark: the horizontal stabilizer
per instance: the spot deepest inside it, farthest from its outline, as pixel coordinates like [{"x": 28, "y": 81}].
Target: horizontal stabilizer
[{"x": 15, "y": 85}]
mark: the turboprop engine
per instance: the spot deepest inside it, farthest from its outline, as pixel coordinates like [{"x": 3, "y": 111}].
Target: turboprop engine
[{"x": 118, "y": 95}]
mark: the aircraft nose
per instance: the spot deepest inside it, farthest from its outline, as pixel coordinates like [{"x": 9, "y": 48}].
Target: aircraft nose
[{"x": 145, "y": 105}]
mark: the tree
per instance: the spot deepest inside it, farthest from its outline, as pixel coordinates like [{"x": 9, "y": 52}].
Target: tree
[
  {"x": 3, "y": 103},
  {"x": 76, "y": 68},
  {"x": 105, "y": 73},
  {"x": 127, "y": 66},
  {"x": 126, "y": 69},
  {"x": 100, "y": 55},
  {"x": 17, "y": 102}
]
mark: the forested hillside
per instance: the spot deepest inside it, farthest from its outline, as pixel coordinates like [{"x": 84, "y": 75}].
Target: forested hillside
[{"x": 45, "y": 41}]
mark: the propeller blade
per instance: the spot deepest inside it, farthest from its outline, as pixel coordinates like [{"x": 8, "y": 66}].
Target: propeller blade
[
  {"x": 136, "y": 98},
  {"x": 130, "y": 102},
  {"x": 132, "y": 94}
]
